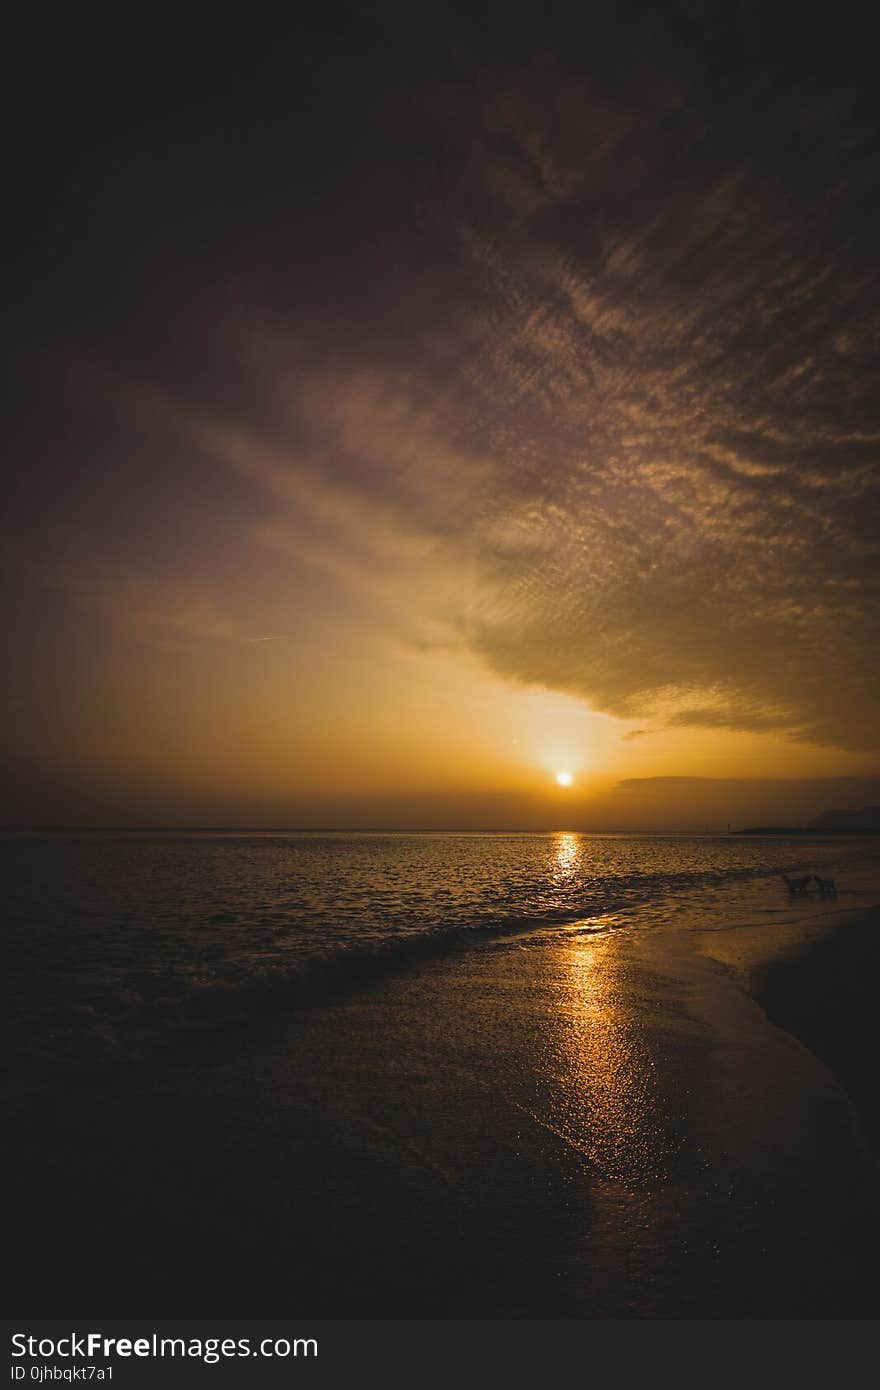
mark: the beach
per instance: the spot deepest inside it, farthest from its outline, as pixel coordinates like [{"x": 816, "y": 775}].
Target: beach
[
  {"x": 440, "y": 835},
  {"x": 584, "y": 1124},
  {"x": 826, "y": 996}
]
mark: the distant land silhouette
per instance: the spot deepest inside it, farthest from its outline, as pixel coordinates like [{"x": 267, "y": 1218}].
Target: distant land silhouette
[{"x": 863, "y": 822}]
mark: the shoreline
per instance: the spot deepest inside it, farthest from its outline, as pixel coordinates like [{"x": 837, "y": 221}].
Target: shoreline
[
  {"x": 546, "y": 1126},
  {"x": 814, "y": 979},
  {"x": 825, "y": 995}
]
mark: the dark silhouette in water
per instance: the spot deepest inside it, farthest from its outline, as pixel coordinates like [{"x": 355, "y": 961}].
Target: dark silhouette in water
[
  {"x": 826, "y": 886},
  {"x": 797, "y": 887}
]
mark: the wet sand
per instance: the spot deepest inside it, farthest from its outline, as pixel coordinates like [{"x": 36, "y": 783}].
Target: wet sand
[
  {"x": 578, "y": 1125},
  {"x": 839, "y": 1025},
  {"x": 822, "y": 987}
]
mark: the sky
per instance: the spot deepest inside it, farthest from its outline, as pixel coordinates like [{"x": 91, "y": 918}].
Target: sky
[{"x": 411, "y": 407}]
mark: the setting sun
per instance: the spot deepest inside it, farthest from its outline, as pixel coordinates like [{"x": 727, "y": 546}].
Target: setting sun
[{"x": 564, "y": 779}]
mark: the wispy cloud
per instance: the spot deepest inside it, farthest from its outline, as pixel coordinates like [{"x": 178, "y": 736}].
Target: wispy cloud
[{"x": 632, "y": 452}]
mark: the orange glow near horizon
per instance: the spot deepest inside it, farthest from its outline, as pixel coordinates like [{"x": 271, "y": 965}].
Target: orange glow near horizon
[{"x": 361, "y": 732}]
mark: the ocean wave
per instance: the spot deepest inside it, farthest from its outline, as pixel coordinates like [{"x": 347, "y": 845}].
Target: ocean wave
[
  {"x": 124, "y": 994},
  {"x": 128, "y": 1025}
]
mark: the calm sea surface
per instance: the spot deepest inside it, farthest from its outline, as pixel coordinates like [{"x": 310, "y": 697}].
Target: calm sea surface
[{"x": 118, "y": 943}]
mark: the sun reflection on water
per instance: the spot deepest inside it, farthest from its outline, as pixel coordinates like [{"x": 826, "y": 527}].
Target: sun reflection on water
[
  {"x": 605, "y": 1092},
  {"x": 566, "y": 855}
]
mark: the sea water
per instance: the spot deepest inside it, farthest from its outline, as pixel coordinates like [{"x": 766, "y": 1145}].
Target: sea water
[{"x": 119, "y": 944}]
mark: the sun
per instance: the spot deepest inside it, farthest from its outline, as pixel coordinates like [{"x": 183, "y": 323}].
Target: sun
[{"x": 564, "y": 779}]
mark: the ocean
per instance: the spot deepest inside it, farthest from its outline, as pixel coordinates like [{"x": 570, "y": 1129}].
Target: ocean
[{"x": 121, "y": 944}]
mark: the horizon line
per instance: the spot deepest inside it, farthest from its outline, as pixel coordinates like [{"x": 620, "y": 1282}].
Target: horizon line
[{"x": 705, "y": 828}]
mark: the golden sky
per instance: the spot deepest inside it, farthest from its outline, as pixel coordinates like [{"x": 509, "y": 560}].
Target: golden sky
[{"x": 505, "y": 420}]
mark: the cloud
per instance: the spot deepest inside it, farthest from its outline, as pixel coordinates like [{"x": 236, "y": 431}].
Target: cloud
[
  {"x": 614, "y": 423},
  {"x": 677, "y": 377},
  {"x": 141, "y": 605},
  {"x": 698, "y": 801}
]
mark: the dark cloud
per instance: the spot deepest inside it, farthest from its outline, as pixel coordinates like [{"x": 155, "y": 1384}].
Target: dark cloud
[
  {"x": 673, "y": 367},
  {"x": 737, "y": 801},
  {"x": 579, "y": 323}
]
